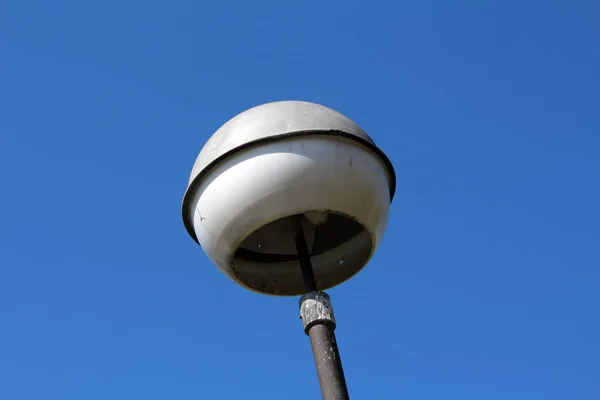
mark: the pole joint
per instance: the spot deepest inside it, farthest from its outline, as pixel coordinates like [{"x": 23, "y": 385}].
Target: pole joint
[{"x": 316, "y": 309}]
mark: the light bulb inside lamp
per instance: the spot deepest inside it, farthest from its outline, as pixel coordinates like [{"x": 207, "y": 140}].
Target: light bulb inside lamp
[{"x": 317, "y": 218}]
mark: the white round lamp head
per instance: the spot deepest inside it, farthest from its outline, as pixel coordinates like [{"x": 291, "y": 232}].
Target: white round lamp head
[{"x": 281, "y": 160}]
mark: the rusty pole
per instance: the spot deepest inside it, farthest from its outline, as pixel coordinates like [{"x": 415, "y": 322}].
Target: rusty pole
[{"x": 319, "y": 324}]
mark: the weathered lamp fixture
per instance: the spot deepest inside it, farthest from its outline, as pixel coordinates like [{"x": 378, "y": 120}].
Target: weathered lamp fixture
[{"x": 292, "y": 198}]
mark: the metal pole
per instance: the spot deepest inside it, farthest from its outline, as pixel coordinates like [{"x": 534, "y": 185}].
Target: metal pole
[
  {"x": 310, "y": 285},
  {"x": 319, "y": 324}
]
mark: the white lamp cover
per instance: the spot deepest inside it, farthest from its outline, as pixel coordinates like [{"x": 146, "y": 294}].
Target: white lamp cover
[{"x": 239, "y": 202}]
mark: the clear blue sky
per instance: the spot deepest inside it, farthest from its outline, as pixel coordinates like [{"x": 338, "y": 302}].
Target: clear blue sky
[{"x": 487, "y": 285}]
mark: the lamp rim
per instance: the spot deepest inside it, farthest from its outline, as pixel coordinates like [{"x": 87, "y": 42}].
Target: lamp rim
[{"x": 195, "y": 182}]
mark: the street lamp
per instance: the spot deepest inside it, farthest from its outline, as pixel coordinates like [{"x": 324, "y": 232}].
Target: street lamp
[{"x": 292, "y": 198}]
